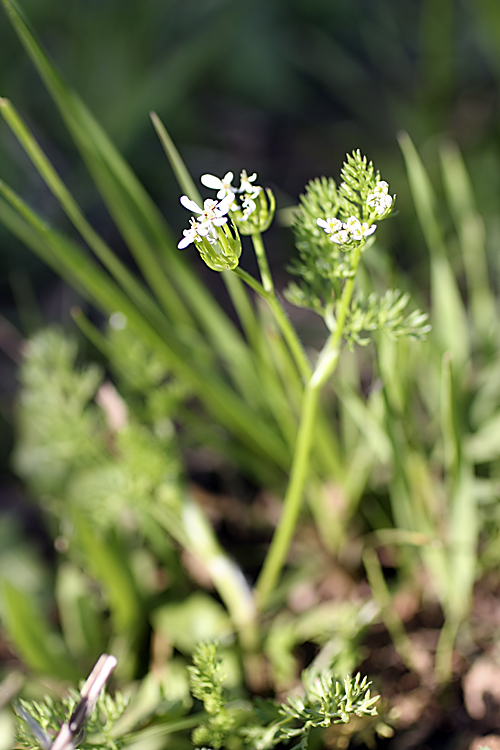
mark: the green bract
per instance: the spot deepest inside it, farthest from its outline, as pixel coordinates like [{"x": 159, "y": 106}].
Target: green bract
[
  {"x": 224, "y": 253},
  {"x": 254, "y": 214}
]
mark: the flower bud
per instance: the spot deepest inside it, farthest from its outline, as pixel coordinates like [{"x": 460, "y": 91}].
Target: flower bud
[{"x": 256, "y": 211}]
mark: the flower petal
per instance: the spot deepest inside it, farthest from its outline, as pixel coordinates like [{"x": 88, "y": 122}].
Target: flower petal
[
  {"x": 225, "y": 204},
  {"x": 211, "y": 181},
  {"x": 190, "y": 205}
]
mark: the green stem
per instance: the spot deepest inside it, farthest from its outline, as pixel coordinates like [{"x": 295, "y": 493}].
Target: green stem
[
  {"x": 260, "y": 254},
  {"x": 327, "y": 362},
  {"x": 444, "y": 651}
]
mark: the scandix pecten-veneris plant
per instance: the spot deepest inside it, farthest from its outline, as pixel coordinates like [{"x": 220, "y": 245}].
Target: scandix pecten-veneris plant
[
  {"x": 275, "y": 426},
  {"x": 333, "y": 230}
]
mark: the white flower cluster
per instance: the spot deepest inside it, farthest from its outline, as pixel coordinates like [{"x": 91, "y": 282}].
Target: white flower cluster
[
  {"x": 252, "y": 212},
  {"x": 224, "y": 185},
  {"x": 342, "y": 233},
  {"x": 380, "y": 201},
  {"x": 213, "y": 214}
]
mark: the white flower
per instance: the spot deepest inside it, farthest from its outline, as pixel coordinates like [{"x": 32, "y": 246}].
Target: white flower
[
  {"x": 329, "y": 225},
  {"x": 246, "y": 184},
  {"x": 341, "y": 237},
  {"x": 249, "y": 207},
  {"x": 190, "y": 235},
  {"x": 380, "y": 201},
  {"x": 352, "y": 231},
  {"x": 212, "y": 214},
  {"x": 216, "y": 183}
]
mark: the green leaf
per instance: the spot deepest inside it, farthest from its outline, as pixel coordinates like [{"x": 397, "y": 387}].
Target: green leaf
[
  {"x": 449, "y": 318},
  {"x": 41, "y": 648},
  {"x": 471, "y": 234},
  {"x": 198, "y": 618},
  {"x": 178, "y": 167},
  {"x": 105, "y": 558}
]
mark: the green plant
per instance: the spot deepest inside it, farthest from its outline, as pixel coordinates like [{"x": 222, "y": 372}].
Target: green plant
[
  {"x": 107, "y": 458},
  {"x": 325, "y": 702}
]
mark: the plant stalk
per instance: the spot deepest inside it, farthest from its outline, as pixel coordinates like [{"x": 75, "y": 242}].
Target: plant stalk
[
  {"x": 260, "y": 254},
  {"x": 326, "y": 365}
]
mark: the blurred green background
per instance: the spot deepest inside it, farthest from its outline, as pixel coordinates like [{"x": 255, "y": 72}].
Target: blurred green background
[{"x": 282, "y": 87}]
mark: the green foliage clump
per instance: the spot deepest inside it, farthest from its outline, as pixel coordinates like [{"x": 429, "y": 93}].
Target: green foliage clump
[
  {"x": 38, "y": 722},
  {"x": 329, "y": 250},
  {"x": 326, "y": 701},
  {"x": 80, "y": 440},
  {"x": 207, "y": 679}
]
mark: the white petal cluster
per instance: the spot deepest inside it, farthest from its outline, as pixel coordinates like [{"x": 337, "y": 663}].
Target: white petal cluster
[
  {"x": 342, "y": 233},
  {"x": 380, "y": 201},
  {"x": 213, "y": 214},
  {"x": 249, "y": 206},
  {"x": 190, "y": 235},
  {"x": 246, "y": 184}
]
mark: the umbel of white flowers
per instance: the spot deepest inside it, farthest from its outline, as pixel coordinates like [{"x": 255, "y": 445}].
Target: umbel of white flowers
[
  {"x": 250, "y": 208},
  {"x": 218, "y": 243},
  {"x": 253, "y": 206},
  {"x": 352, "y": 231}
]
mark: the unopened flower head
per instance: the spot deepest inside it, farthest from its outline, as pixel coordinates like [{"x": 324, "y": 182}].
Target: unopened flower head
[
  {"x": 379, "y": 201},
  {"x": 218, "y": 245},
  {"x": 222, "y": 184},
  {"x": 345, "y": 233}
]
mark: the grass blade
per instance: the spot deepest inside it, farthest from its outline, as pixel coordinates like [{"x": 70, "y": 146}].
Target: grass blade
[
  {"x": 471, "y": 234},
  {"x": 449, "y": 319},
  {"x": 178, "y": 167}
]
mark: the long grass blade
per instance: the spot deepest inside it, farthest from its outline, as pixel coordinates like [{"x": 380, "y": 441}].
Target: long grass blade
[
  {"x": 471, "y": 234},
  {"x": 449, "y": 319},
  {"x": 220, "y": 401},
  {"x": 135, "y": 214}
]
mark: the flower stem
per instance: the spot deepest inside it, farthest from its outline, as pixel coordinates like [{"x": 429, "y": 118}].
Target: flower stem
[
  {"x": 286, "y": 328},
  {"x": 260, "y": 254},
  {"x": 326, "y": 365}
]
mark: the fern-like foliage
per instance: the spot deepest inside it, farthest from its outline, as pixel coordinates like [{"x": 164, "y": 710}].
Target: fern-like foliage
[
  {"x": 359, "y": 180},
  {"x": 207, "y": 680},
  {"x": 386, "y": 313},
  {"x": 332, "y": 228},
  {"x": 68, "y": 446},
  {"x": 320, "y": 262},
  {"x": 40, "y": 721},
  {"x": 326, "y": 701}
]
